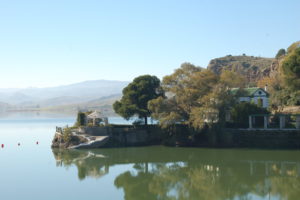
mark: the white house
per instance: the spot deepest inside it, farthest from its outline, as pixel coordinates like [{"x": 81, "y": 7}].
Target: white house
[{"x": 256, "y": 95}]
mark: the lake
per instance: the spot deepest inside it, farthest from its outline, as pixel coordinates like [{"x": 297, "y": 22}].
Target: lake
[{"x": 35, "y": 171}]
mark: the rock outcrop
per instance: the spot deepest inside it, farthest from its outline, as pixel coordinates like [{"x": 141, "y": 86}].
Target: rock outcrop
[
  {"x": 94, "y": 142},
  {"x": 78, "y": 141},
  {"x": 59, "y": 141},
  {"x": 252, "y": 68}
]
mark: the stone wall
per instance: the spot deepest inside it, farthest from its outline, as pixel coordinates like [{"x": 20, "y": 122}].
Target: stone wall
[
  {"x": 95, "y": 131},
  {"x": 122, "y": 136},
  {"x": 274, "y": 139},
  {"x": 126, "y": 135}
]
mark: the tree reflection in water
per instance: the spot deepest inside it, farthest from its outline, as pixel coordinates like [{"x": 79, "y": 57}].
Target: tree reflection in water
[
  {"x": 87, "y": 163},
  {"x": 180, "y": 173}
]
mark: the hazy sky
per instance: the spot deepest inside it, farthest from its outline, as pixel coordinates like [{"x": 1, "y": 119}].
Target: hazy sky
[{"x": 54, "y": 42}]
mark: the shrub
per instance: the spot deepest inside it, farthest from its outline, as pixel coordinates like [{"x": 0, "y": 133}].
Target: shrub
[
  {"x": 67, "y": 134},
  {"x": 280, "y": 53}
]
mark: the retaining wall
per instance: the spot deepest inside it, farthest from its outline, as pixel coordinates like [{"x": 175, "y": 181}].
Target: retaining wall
[
  {"x": 281, "y": 139},
  {"x": 126, "y": 135},
  {"x": 232, "y": 138}
]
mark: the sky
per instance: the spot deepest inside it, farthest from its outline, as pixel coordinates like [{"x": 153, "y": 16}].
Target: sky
[{"x": 58, "y": 42}]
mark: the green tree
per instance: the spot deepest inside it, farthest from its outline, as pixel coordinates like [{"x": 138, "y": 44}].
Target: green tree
[
  {"x": 194, "y": 97},
  {"x": 232, "y": 79},
  {"x": 213, "y": 107},
  {"x": 291, "y": 70},
  {"x": 80, "y": 121},
  {"x": 183, "y": 88},
  {"x": 136, "y": 96},
  {"x": 284, "y": 86},
  {"x": 293, "y": 46},
  {"x": 280, "y": 53}
]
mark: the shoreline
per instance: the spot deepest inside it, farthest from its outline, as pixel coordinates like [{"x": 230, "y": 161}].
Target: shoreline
[{"x": 129, "y": 135}]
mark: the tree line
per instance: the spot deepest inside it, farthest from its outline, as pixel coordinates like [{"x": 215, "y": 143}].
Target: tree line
[{"x": 284, "y": 86}]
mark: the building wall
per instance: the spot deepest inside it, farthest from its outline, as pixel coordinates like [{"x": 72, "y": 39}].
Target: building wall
[
  {"x": 265, "y": 101},
  {"x": 259, "y": 94},
  {"x": 244, "y": 99},
  {"x": 94, "y": 131}
]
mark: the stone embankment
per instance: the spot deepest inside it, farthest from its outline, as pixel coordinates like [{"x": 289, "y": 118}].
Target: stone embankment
[
  {"x": 107, "y": 136},
  {"x": 124, "y": 136},
  {"x": 270, "y": 139}
]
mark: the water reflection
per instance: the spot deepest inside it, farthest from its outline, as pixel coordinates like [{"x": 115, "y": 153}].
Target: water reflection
[
  {"x": 89, "y": 164},
  {"x": 179, "y": 173}
]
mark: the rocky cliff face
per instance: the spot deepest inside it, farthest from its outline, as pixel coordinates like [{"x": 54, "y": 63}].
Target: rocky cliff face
[
  {"x": 252, "y": 68},
  {"x": 274, "y": 69}
]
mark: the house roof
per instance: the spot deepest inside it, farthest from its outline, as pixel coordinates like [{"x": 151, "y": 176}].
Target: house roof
[
  {"x": 247, "y": 92},
  {"x": 95, "y": 115}
]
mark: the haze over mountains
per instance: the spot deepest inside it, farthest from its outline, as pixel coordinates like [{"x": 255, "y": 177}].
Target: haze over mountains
[{"x": 71, "y": 96}]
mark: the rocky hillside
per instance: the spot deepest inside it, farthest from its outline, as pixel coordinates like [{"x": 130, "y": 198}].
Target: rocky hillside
[{"x": 252, "y": 68}]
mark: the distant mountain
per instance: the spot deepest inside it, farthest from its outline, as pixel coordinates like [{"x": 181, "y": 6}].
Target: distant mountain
[
  {"x": 67, "y": 95},
  {"x": 3, "y": 106},
  {"x": 104, "y": 104},
  {"x": 252, "y": 68},
  {"x": 87, "y": 89},
  {"x": 17, "y": 97},
  {"x": 62, "y": 100}
]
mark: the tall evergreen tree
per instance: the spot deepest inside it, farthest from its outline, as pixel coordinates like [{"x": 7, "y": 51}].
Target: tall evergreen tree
[
  {"x": 136, "y": 96},
  {"x": 291, "y": 70}
]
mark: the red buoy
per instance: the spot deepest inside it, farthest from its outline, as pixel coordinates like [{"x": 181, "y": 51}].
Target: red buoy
[
  {"x": 2, "y": 145},
  {"x": 37, "y": 142}
]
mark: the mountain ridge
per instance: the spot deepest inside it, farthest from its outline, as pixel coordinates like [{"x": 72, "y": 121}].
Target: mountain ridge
[{"x": 66, "y": 95}]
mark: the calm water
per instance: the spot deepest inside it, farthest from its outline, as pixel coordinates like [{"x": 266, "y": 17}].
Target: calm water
[{"x": 32, "y": 171}]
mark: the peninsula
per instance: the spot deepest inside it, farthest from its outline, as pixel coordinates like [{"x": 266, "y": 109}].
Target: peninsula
[{"x": 220, "y": 106}]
